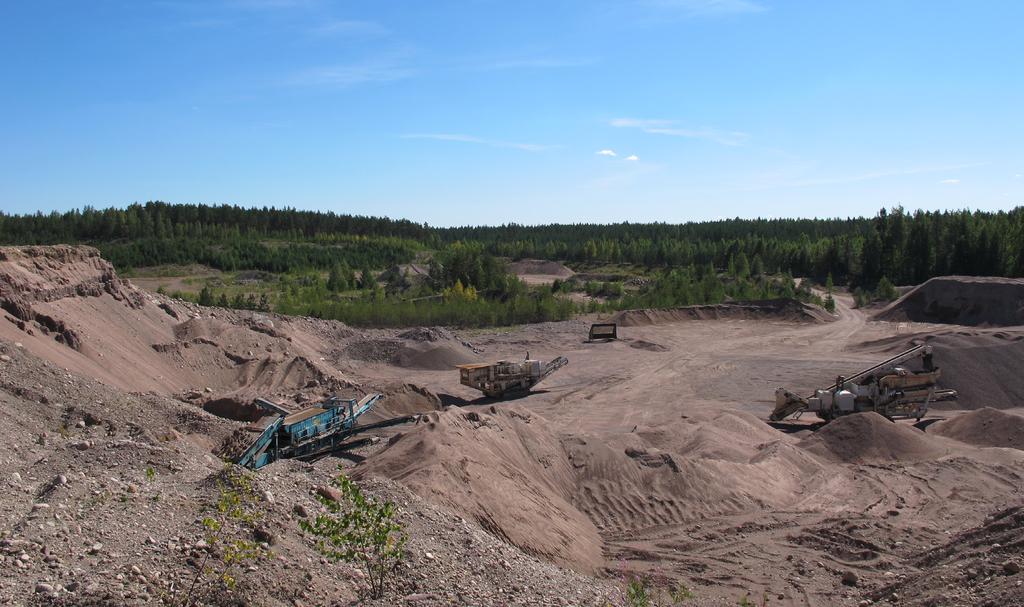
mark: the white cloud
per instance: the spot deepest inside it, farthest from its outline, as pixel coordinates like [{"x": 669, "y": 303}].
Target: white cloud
[
  {"x": 950, "y": 181},
  {"x": 632, "y": 157},
  {"x": 528, "y": 147},
  {"x": 668, "y": 127},
  {"x": 607, "y": 153}
]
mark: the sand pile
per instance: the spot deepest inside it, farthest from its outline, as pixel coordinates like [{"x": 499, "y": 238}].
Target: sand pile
[
  {"x": 551, "y": 496},
  {"x": 429, "y": 349},
  {"x": 434, "y": 357},
  {"x": 771, "y": 309},
  {"x": 870, "y": 438},
  {"x": 984, "y": 368},
  {"x": 539, "y": 271},
  {"x": 961, "y": 300},
  {"x": 720, "y": 464},
  {"x": 502, "y": 468},
  {"x": 981, "y": 365},
  {"x": 985, "y": 427},
  {"x": 540, "y": 266},
  {"x": 401, "y": 400}
]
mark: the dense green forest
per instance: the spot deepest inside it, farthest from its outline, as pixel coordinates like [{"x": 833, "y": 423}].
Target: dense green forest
[
  {"x": 329, "y": 265},
  {"x": 906, "y": 248}
]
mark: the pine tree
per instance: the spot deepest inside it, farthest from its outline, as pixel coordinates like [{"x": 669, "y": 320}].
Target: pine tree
[
  {"x": 367, "y": 279},
  {"x": 205, "y": 296}
]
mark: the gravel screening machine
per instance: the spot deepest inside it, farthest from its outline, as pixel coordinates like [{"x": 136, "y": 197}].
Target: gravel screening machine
[
  {"x": 890, "y": 388},
  {"x": 307, "y": 433},
  {"x": 506, "y": 378}
]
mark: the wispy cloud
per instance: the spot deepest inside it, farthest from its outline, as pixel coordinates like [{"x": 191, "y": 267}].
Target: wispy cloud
[
  {"x": 670, "y": 127},
  {"x": 530, "y": 63},
  {"x": 950, "y": 181},
  {"x": 494, "y": 143},
  {"x": 697, "y": 8},
  {"x": 606, "y": 153},
  {"x": 342, "y": 76},
  {"x": 350, "y": 27},
  {"x": 633, "y": 157},
  {"x": 269, "y": 4},
  {"x": 870, "y": 176}
]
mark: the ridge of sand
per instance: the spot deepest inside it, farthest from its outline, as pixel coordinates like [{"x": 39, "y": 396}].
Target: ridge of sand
[
  {"x": 502, "y": 468},
  {"x": 541, "y": 267},
  {"x": 67, "y": 305},
  {"x": 961, "y": 300},
  {"x": 769, "y": 309},
  {"x": 985, "y": 427}
]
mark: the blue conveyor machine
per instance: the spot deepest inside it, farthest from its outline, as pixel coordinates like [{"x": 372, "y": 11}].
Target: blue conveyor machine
[{"x": 306, "y": 433}]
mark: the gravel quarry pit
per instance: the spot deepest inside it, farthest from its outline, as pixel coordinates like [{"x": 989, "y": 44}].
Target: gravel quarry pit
[{"x": 632, "y": 460}]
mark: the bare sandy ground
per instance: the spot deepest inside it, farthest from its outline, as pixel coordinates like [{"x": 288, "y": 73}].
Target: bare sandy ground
[
  {"x": 539, "y": 271},
  {"x": 649, "y": 455}
]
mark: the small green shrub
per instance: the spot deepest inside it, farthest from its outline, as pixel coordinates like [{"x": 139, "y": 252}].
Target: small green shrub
[
  {"x": 679, "y": 593},
  {"x": 360, "y": 531},
  {"x": 228, "y": 531},
  {"x": 637, "y": 593}
]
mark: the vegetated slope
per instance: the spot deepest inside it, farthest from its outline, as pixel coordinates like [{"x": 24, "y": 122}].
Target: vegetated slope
[
  {"x": 961, "y": 300},
  {"x": 986, "y": 427},
  {"x": 772, "y": 309}
]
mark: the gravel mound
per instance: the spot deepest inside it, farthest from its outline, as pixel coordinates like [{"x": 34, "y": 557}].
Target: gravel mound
[
  {"x": 871, "y": 438},
  {"x": 961, "y": 300},
  {"x": 985, "y": 427},
  {"x": 540, "y": 267},
  {"x": 984, "y": 369},
  {"x": 770, "y": 309}
]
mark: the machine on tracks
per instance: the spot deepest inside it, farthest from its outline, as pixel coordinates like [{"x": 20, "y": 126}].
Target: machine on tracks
[
  {"x": 302, "y": 434},
  {"x": 507, "y": 378},
  {"x": 890, "y": 388}
]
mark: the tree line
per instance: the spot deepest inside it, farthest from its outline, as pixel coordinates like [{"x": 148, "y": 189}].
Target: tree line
[{"x": 902, "y": 247}]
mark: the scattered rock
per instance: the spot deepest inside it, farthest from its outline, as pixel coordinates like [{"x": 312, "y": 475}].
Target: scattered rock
[
  {"x": 849, "y": 578},
  {"x": 262, "y": 534},
  {"x": 329, "y": 493}
]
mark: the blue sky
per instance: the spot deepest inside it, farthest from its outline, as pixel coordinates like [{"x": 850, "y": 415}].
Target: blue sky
[{"x": 486, "y": 111}]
